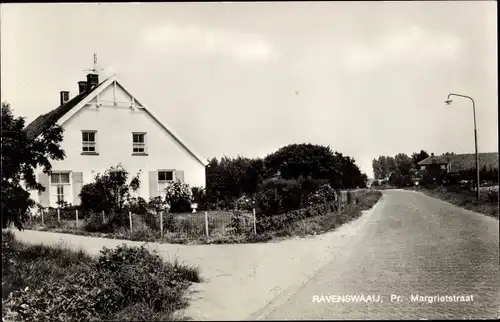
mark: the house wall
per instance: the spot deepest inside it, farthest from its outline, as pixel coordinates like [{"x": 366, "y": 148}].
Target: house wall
[{"x": 114, "y": 126}]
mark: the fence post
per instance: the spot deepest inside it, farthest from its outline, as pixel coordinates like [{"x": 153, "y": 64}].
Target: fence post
[
  {"x": 254, "y": 222},
  {"x": 130, "y": 219},
  {"x": 58, "y": 214},
  {"x": 43, "y": 223},
  {"x": 161, "y": 224},
  {"x": 206, "y": 223},
  {"x": 103, "y": 219},
  {"x": 76, "y": 212}
]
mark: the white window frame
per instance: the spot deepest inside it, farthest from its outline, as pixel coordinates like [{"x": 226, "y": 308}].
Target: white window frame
[
  {"x": 422, "y": 167},
  {"x": 166, "y": 170},
  {"x": 443, "y": 167},
  {"x": 59, "y": 173},
  {"x": 162, "y": 183},
  {"x": 139, "y": 145},
  {"x": 89, "y": 144},
  {"x": 65, "y": 186}
]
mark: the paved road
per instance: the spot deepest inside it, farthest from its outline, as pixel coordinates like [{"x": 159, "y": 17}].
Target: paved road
[{"x": 411, "y": 245}]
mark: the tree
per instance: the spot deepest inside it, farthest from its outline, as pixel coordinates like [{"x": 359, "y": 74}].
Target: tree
[
  {"x": 21, "y": 156},
  {"x": 417, "y": 157},
  {"x": 306, "y": 160},
  {"x": 383, "y": 166},
  {"x": 109, "y": 191}
]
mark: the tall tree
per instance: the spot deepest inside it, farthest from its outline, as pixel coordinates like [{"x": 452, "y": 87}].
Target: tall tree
[
  {"x": 20, "y": 157},
  {"x": 417, "y": 157},
  {"x": 304, "y": 160}
]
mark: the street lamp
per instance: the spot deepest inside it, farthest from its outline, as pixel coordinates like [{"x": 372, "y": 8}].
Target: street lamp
[{"x": 448, "y": 102}]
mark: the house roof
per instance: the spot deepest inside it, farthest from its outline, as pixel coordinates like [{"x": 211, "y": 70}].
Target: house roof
[
  {"x": 43, "y": 122},
  {"x": 461, "y": 162}
]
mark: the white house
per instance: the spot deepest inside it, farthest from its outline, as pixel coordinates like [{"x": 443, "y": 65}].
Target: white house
[{"x": 105, "y": 125}]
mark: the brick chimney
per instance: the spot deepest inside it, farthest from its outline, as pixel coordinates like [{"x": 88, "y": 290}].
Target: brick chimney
[
  {"x": 92, "y": 80},
  {"x": 63, "y": 97},
  {"x": 82, "y": 86}
]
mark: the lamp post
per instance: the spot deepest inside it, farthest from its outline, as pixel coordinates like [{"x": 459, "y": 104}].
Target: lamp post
[{"x": 448, "y": 101}]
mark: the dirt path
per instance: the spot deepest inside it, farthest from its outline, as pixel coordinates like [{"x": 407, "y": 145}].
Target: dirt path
[{"x": 242, "y": 279}]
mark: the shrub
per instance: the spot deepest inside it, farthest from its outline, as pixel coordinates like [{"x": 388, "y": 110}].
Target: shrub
[
  {"x": 237, "y": 223},
  {"x": 157, "y": 205},
  {"x": 178, "y": 196},
  {"x": 95, "y": 223},
  {"x": 200, "y": 197},
  {"x": 109, "y": 191},
  {"x": 245, "y": 203},
  {"x": 120, "y": 284},
  {"x": 137, "y": 206},
  {"x": 279, "y": 196},
  {"x": 323, "y": 194}
]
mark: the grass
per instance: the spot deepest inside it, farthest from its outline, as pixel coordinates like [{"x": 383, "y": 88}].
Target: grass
[
  {"x": 487, "y": 204},
  {"x": 41, "y": 282}
]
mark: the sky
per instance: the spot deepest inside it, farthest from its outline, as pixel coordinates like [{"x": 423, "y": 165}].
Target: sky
[{"x": 365, "y": 78}]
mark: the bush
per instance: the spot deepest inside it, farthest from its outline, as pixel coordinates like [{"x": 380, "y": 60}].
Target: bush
[
  {"x": 323, "y": 194},
  {"x": 137, "y": 206},
  {"x": 95, "y": 223},
  {"x": 279, "y": 196},
  {"x": 179, "y": 197},
  {"x": 157, "y": 205},
  {"x": 120, "y": 284},
  {"x": 245, "y": 203},
  {"x": 200, "y": 198},
  {"x": 109, "y": 191}
]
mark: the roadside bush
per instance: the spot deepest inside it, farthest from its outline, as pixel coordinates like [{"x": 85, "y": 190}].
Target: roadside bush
[
  {"x": 280, "y": 222},
  {"x": 179, "y": 197},
  {"x": 112, "y": 287},
  {"x": 323, "y": 194}
]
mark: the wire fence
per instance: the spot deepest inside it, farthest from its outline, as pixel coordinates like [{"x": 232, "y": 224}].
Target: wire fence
[{"x": 205, "y": 223}]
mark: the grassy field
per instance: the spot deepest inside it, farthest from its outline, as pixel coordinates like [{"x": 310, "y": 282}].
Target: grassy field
[{"x": 42, "y": 282}]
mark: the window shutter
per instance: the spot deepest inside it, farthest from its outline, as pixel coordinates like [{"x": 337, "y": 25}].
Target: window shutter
[
  {"x": 44, "y": 197},
  {"x": 77, "y": 180},
  {"x": 179, "y": 175},
  {"x": 153, "y": 184}
]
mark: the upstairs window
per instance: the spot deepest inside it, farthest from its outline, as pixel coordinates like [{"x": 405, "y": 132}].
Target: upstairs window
[
  {"x": 89, "y": 141},
  {"x": 139, "y": 143},
  {"x": 422, "y": 167}
]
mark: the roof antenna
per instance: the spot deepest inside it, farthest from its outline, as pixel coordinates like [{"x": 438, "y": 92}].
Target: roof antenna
[{"x": 96, "y": 69}]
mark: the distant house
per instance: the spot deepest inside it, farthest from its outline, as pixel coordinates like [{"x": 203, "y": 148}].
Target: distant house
[
  {"x": 456, "y": 163},
  {"x": 105, "y": 125}
]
